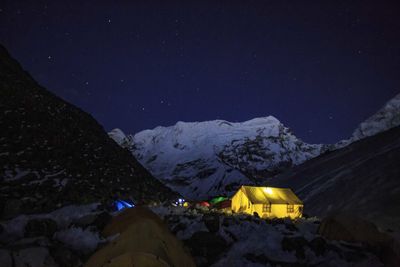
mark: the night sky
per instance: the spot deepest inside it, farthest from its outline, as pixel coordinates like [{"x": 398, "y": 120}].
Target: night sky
[{"x": 319, "y": 68}]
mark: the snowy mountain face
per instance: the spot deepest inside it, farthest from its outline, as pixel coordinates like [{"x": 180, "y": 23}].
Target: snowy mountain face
[
  {"x": 386, "y": 118},
  {"x": 202, "y": 159}
]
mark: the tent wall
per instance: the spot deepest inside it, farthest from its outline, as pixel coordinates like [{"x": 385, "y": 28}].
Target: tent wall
[
  {"x": 277, "y": 211},
  {"x": 241, "y": 204},
  {"x": 281, "y": 211}
]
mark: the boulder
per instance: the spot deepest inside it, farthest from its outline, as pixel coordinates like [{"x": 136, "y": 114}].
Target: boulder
[
  {"x": 206, "y": 245},
  {"x": 351, "y": 229},
  {"x": 228, "y": 221},
  {"x": 40, "y": 227},
  {"x": 85, "y": 220},
  {"x": 354, "y": 229},
  {"x": 140, "y": 239},
  {"x": 318, "y": 245},
  {"x": 102, "y": 220},
  {"x": 33, "y": 257},
  {"x": 5, "y": 258},
  {"x": 296, "y": 244},
  {"x": 211, "y": 221},
  {"x": 64, "y": 257},
  {"x": 11, "y": 208}
]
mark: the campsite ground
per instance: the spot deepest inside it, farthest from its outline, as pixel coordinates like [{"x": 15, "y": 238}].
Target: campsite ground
[{"x": 70, "y": 235}]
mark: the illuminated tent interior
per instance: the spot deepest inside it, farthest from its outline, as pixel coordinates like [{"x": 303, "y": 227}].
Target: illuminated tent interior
[{"x": 267, "y": 202}]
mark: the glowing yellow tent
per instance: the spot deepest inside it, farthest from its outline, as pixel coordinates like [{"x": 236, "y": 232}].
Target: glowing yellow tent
[{"x": 267, "y": 202}]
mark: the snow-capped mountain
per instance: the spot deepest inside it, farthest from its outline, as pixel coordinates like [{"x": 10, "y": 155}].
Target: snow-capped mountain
[
  {"x": 201, "y": 159},
  {"x": 386, "y": 118}
]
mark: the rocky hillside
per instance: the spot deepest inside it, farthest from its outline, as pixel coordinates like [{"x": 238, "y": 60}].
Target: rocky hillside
[
  {"x": 362, "y": 178},
  {"x": 53, "y": 154},
  {"x": 201, "y": 159}
]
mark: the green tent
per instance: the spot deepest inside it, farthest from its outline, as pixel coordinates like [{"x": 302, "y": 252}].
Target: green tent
[{"x": 217, "y": 200}]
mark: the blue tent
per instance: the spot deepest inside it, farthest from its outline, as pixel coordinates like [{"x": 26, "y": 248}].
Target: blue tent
[{"x": 121, "y": 204}]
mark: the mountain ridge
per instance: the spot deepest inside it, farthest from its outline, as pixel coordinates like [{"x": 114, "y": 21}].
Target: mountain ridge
[
  {"x": 264, "y": 149},
  {"x": 54, "y": 154},
  {"x": 220, "y": 154}
]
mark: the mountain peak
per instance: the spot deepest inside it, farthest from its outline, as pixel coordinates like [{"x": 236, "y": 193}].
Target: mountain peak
[
  {"x": 199, "y": 159},
  {"x": 386, "y": 118}
]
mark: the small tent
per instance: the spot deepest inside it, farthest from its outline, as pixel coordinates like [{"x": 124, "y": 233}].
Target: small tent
[
  {"x": 122, "y": 204},
  {"x": 140, "y": 238},
  {"x": 267, "y": 202},
  {"x": 204, "y": 204},
  {"x": 217, "y": 200}
]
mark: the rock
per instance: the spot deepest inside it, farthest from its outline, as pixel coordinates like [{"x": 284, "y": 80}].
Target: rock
[
  {"x": 102, "y": 220},
  {"x": 264, "y": 260},
  {"x": 211, "y": 221},
  {"x": 85, "y": 220},
  {"x": 318, "y": 245},
  {"x": 353, "y": 229},
  {"x": 206, "y": 245},
  {"x": 290, "y": 226},
  {"x": 5, "y": 258},
  {"x": 40, "y": 227},
  {"x": 295, "y": 244},
  {"x": 64, "y": 257},
  {"x": 12, "y": 208},
  {"x": 33, "y": 257},
  {"x": 38, "y": 241},
  {"x": 276, "y": 221},
  {"x": 179, "y": 227},
  {"x": 228, "y": 221}
]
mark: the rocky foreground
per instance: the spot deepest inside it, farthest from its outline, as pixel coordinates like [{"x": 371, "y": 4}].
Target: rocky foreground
[{"x": 69, "y": 237}]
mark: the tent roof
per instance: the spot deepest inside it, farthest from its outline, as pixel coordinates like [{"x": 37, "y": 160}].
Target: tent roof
[
  {"x": 216, "y": 200},
  {"x": 270, "y": 195}
]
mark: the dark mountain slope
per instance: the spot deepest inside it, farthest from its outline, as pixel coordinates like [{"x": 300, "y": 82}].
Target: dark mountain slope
[
  {"x": 362, "y": 178},
  {"x": 52, "y": 153}
]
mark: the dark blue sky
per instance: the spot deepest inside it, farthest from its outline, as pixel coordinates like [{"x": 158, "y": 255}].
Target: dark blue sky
[{"x": 320, "y": 67}]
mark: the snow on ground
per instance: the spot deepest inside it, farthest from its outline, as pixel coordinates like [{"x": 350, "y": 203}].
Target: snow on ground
[
  {"x": 79, "y": 239},
  {"x": 251, "y": 241},
  {"x": 387, "y": 117},
  {"x": 14, "y": 229}
]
